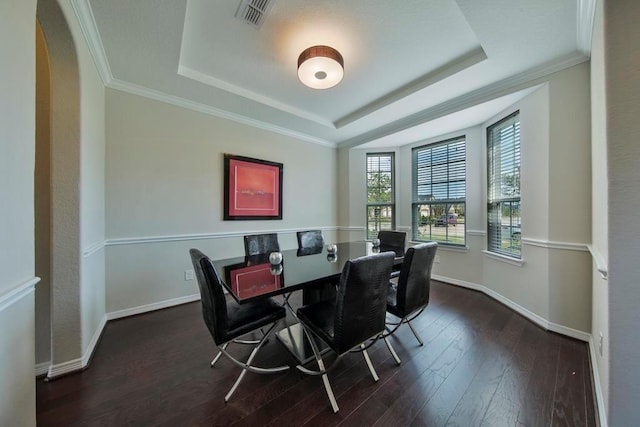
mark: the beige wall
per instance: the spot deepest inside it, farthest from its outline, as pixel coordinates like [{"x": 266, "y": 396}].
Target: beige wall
[
  {"x": 553, "y": 286},
  {"x": 164, "y": 186},
  {"x": 17, "y": 154},
  {"x": 599, "y": 213}
]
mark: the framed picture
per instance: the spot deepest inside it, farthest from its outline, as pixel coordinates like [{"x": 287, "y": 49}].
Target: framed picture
[{"x": 252, "y": 188}]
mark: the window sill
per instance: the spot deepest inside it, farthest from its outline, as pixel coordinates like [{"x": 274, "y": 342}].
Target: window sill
[
  {"x": 503, "y": 258},
  {"x": 443, "y": 247},
  {"x": 463, "y": 249}
]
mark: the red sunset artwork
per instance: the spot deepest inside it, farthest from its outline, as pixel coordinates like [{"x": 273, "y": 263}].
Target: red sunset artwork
[{"x": 253, "y": 189}]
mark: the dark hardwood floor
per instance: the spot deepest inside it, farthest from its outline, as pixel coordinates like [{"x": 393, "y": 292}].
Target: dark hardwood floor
[{"x": 481, "y": 364}]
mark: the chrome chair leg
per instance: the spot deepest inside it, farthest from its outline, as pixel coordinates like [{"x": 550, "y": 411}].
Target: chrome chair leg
[
  {"x": 415, "y": 333},
  {"x": 369, "y": 364},
  {"x": 215, "y": 359},
  {"x": 392, "y": 350},
  {"x": 327, "y": 387},
  {"x": 250, "y": 342},
  {"x": 325, "y": 378},
  {"x": 241, "y": 376},
  {"x": 247, "y": 365}
]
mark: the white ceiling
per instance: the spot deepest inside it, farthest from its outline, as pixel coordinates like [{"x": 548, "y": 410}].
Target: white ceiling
[{"x": 409, "y": 64}]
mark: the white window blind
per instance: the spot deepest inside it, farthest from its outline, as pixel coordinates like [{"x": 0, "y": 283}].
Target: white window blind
[
  {"x": 503, "y": 186},
  {"x": 439, "y": 192},
  {"x": 380, "y": 193}
]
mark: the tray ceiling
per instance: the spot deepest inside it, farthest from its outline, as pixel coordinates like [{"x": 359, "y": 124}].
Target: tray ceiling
[{"x": 407, "y": 62}]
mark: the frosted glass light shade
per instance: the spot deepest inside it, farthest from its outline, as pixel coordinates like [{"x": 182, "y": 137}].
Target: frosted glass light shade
[{"x": 320, "y": 67}]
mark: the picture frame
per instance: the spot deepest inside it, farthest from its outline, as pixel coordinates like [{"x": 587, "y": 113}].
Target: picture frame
[{"x": 252, "y": 188}]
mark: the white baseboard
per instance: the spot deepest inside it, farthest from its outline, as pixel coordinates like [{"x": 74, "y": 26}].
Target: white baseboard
[
  {"x": 65, "y": 368},
  {"x": 42, "y": 368},
  {"x": 79, "y": 364},
  {"x": 152, "y": 307},
  {"x": 602, "y": 413},
  {"x": 82, "y": 362},
  {"x": 550, "y": 326},
  {"x": 535, "y": 318}
]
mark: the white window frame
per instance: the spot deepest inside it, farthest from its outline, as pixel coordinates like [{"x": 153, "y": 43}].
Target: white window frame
[
  {"x": 504, "y": 131},
  {"x": 456, "y": 176},
  {"x": 379, "y": 204}
]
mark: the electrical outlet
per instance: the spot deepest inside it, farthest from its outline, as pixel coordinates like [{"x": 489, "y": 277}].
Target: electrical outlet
[
  {"x": 437, "y": 259},
  {"x": 188, "y": 275},
  {"x": 600, "y": 344}
]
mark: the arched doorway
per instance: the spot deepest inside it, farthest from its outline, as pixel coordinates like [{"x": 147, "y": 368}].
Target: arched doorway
[{"x": 64, "y": 252}]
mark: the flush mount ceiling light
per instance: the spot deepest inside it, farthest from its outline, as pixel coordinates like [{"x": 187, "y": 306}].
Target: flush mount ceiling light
[{"x": 320, "y": 67}]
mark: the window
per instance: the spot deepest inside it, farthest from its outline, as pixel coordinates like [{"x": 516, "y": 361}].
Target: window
[
  {"x": 503, "y": 185},
  {"x": 439, "y": 192},
  {"x": 380, "y": 195}
]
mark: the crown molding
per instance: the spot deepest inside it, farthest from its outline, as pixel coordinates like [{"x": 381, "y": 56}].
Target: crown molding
[
  {"x": 253, "y": 96},
  {"x": 87, "y": 21},
  {"x": 458, "y": 64},
  {"x": 584, "y": 25},
  {"x": 91, "y": 34},
  {"x": 213, "y": 111},
  {"x": 506, "y": 86},
  {"x": 586, "y": 11}
]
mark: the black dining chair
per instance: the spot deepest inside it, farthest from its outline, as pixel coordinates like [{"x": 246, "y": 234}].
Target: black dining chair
[
  {"x": 354, "y": 317},
  {"x": 310, "y": 242},
  {"x": 410, "y": 295},
  {"x": 257, "y": 244},
  {"x": 228, "y": 320},
  {"x": 392, "y": 241}
]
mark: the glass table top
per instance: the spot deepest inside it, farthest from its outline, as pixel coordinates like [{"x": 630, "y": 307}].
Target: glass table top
[{"x": 250, "y": 278}]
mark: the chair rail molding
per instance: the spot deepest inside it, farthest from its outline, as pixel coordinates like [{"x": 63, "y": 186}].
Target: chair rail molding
[
  {"x": 18, "y": 292},
  {"x": 93, "y": 248},
  {"x": 549, "y": 244},
  {"x": 601, "y": 264},
  {"x": 221, "y": 235}
]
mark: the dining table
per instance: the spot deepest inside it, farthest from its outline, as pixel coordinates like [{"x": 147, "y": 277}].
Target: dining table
[{"x": 251, "y": 278}]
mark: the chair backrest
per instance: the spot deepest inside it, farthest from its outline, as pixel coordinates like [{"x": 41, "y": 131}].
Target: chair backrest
[
  {"x": 261, "y": 244},
  {"x": 214, "y": 305},
  {"x": 361, "y": 302},
  {"x": 392, "y": 241},
  {"x": 310, "y": 241},
  {"x": 414, "y": 282}
]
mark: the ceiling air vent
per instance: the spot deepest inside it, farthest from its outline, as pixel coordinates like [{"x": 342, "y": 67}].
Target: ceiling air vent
[{"x": 253, "y": 12}]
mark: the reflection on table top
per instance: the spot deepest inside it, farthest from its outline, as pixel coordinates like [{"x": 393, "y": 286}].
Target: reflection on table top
[{"x": 250, "y": 278}]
